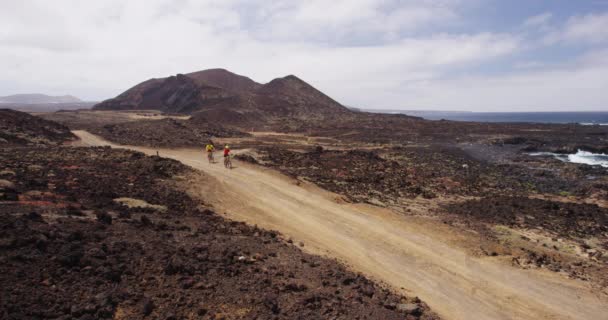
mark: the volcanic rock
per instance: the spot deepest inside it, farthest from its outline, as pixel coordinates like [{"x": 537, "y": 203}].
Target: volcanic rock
[{"x": 20, "y": 128}]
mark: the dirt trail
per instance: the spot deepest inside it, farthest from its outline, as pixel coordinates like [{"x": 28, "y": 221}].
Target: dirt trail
[{"x": 387, "y": 247}]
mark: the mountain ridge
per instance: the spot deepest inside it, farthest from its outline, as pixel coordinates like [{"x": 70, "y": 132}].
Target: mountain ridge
[{"x": 38, "y": 98}]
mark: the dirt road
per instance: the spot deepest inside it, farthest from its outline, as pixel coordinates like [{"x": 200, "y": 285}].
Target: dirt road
[{"x": 386, "y": 246}]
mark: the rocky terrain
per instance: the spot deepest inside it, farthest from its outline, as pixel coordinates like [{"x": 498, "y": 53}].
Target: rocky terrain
[
  {"x": 451, "y": 171},
  {"x": 146, "y": 128},
  {"x": 89, "y": 119},
  {"x": 401, "y": 129},
  {"x": 565, "y": 237},
  {"x": 570, "y": 220},
  {"x": 476, "y": 178},
  {"x": 95, "y": 233},
  {"x": 165, "y": 133},
  {"x": 19, "y": 128},
  {"x": 359, "y": 175},
  {"x": 387, "y": 174}
]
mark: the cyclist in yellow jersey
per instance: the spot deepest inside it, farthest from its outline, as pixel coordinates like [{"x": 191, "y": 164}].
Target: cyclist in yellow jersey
[{"x": 210, "y": 148}]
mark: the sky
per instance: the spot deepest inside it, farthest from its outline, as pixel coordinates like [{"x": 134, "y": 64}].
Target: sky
[{"x": 476, "y": 55}]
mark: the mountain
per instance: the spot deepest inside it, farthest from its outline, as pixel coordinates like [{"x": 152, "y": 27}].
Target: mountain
[
  {"x": 38, "y": 98},
  {"x": 297, "y": 96},
  {"x": 175, "y": 94},
  {"x": 220, "y": 95}
]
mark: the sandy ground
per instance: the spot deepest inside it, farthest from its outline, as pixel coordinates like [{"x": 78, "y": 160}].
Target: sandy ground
[{"x": 418, "y": 258}]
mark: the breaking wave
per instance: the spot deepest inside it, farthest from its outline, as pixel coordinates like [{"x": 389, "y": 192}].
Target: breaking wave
[
  {"x": 593, "y": 124},
  {"x": 584, "y": 157}
]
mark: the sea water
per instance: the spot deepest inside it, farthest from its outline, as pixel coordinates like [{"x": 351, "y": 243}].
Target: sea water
[
  {"x": 584, "y": 118},
  {"x": 584, "y": 157}
]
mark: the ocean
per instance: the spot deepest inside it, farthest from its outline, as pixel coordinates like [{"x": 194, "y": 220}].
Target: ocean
[
  {"x": 583, "y": 157},
  {"x": 586, "y": 118}
]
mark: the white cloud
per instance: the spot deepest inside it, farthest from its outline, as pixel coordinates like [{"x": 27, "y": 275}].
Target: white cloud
[
  {"x": 529, "y": 65},
  {"x": 590, "y": 28},
  {"x": 112, "y": 45},
  {"x": 539, "y": 21},
  {"x": 344, "y": 20},
  {"x": 368, "y": 53},
  {"x": 578, "y": 86}
]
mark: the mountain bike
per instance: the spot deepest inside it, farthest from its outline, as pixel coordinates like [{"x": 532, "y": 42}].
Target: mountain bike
[{"x": 227, "y": 162}]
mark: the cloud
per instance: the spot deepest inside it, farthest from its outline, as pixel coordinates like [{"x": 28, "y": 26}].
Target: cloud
[
  {"x": 344, "y": 21},
  {"x": 529, "y": 65},
  {"x": 538, "y": 21},
  {"x": 578, "y": 86},
  {"x": 590, "y": 29},
  {"x": 23, "y": 24},
  {"x": 112, "y": 45},
  {"x": 368, "y": 53}
]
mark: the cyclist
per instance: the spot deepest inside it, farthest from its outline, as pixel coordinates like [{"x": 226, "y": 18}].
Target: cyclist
[
  {"x": 210, "y": 148},
  {"x": 227, "y": 162}
]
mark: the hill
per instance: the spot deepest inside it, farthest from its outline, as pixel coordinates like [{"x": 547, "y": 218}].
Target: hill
[
  {"x": 47, "y": 107},
  {"x": 37, "y": 98},
  {"x": 220, "y": 95}
]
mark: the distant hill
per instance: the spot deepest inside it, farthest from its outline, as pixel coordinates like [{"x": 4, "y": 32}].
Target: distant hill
[
  {"x": 38, "y": 98},
  {"x": 47, "y": 107},
  {"x": 220, "y": 95},
  {"x": 37, "y": 102}
]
